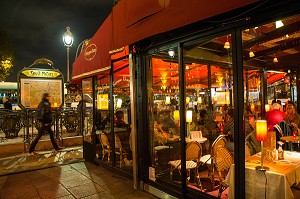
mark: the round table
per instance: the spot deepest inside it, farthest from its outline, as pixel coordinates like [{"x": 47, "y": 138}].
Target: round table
[{"x": 199, "y": 140}]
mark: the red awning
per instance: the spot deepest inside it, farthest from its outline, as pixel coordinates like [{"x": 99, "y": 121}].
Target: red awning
[{"x": 133, "y": 20}]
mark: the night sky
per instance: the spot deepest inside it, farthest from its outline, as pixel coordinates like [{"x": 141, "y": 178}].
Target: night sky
[{"x": 36, "y": 28}]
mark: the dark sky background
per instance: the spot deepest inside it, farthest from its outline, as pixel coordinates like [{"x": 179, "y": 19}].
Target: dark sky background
[{"x": 36, "y": 28}]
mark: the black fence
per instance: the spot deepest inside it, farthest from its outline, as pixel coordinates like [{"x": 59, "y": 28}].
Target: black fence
[{"x": 23, "y": 123}]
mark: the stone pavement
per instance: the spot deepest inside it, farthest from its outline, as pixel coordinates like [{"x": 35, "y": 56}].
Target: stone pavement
[{"x": 75, "y": 180}]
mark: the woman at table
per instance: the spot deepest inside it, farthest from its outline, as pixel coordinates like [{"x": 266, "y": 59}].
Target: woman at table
[
  {"x": 159, "y": 135},
  {"x": 292, "y": 118}
]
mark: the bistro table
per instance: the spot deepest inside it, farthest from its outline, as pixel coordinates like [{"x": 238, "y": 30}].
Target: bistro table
[
  {"x": 199, "y": 140},
  {"x": 275, "y": 183}
]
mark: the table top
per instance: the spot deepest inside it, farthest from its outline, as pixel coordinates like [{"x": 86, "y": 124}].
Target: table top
[
  {"x": 290, "y": 138},
  {"x": 290, "y": 164},
  {"x": 200, "y": 140}
]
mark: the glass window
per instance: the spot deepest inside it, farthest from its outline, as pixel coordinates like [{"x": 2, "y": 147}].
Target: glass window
[
  {"x": 270, "y": 54},
  {"x": 164, "y": 115},
  {"x": 209, "y": 112}
]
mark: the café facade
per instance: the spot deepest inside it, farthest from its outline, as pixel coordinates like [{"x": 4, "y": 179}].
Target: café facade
[{"x": 164, "y": 75}]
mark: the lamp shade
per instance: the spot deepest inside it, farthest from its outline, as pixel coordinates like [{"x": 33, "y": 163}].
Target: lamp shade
[
  {"x": 168, "y": 100},
  {"x": 199, "y": 100},
  {"x": 119, "y": 103},
  {"x": 227, "y": 45},
  {"x": 187, "y": 100},
  {"x": 68, "y": 37},
  {"x": 189, "y": 116},
  {"x": 176, "y": 115},
  {"x": 261, "y": 130},
  {"x": 267, "y": 107}
]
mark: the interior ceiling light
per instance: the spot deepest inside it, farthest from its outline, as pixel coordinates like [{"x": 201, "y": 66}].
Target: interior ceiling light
[
  {"x": 227, "y": 44},
  {"x": 275, "y": 60},
  {"x": 171, "y": 53},
  {"x": 279, "y": 24},
  {"x": 251, "y": 54}
]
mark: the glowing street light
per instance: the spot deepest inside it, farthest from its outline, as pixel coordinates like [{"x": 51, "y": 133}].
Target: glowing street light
[{"x": 68, "y": 41}]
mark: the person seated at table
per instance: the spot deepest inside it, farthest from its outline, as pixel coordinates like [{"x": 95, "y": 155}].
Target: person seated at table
[
  {"x": 159, "y": 135},
  {"x": 253, "y": 144},
  {"x": 292, "y": 118},
  {"x": 120, "y": 119}
]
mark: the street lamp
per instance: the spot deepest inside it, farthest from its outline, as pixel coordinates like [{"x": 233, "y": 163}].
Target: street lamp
[{"x": 68, "y": 41}]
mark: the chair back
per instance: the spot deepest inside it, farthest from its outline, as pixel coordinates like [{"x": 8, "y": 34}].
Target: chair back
[
  {"x": 118, "y": 143},
  {"x": 104, "y": 140},
  {"x": 220, "y": 141},
  {"x": 223, "y": 159},
  {"x": 193, "y": 151}
]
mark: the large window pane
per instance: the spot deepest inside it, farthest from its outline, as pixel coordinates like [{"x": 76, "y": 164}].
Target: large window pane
[{"x": 209, "y": 100}]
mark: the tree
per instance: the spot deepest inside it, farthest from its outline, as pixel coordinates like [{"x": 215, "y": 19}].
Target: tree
[{"x": 7, "y": 58}]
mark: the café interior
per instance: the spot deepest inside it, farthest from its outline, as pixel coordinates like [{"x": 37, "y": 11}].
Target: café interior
[{"x": 187, "y": 97}]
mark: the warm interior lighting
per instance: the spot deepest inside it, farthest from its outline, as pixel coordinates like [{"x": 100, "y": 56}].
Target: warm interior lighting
[
  {"x": 168, "y": 100},
  {"x": 267, "y": 107},
  {"x": 261, "y": 130},
  {"x": 251, "y": 54},
  {"x": 252, "y": 108},
  {"x": 187, "y": 100},
  {"x": 189, "y": 116},
  {"x": 176, "y": 115},
  {"x": 55, "y": 104},
  {"x": 171, "y": 53},
  {"x": 119, "y": 103},
  {"x": 199, "y": 100},
  {"x": 215, "y": 99},
  {"x": 261, "y": 135},
  {"x": 164, "y": 81},
  {"x": 227, "y": 45},
  {"x": 275, "y": 60},
  {"x": 279, "y": 24}
]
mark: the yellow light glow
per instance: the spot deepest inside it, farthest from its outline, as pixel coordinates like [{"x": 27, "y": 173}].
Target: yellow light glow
[
  {"x": 189, "y": 116},
  {"x": 168, "y": 100},
  {"x": 176, "y": 115},
  {"x": 267, "y": 107}
]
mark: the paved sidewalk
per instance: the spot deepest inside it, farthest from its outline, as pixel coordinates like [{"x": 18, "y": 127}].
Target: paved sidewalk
[{"x": 77, "y": 180}]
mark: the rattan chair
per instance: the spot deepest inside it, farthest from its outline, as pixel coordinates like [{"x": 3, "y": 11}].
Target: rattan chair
[
  {"x": 106, "y": 149},
  {"x": 223, "y": 161},
  {"x": 210, "y": 159},
  {"x": 120, "y": 150},
  {"x": 193, "y": 153}
]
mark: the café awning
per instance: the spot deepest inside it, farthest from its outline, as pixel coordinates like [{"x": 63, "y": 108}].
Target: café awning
[{"x": 134, "y": 20}]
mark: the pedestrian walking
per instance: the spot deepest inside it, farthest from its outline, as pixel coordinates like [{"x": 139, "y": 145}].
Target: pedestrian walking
[{"x": 44, "y": 116}]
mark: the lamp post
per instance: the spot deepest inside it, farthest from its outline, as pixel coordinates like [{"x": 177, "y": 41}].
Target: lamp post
[{"x": 68, "y": 41}]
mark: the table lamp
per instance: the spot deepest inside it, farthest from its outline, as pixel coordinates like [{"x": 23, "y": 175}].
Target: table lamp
[
  {"x": 189, "y": 119},
  {"x": 176, "y": 115},
  {"x": 261, "y": 135}
]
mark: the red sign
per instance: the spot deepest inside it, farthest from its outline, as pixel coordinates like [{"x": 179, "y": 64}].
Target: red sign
[{"x": 90, "y": 52}]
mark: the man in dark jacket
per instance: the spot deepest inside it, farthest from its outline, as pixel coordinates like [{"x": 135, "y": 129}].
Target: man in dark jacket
[
  {"x": 44, "y": 116},
  {"x": 6, "y": 103}
]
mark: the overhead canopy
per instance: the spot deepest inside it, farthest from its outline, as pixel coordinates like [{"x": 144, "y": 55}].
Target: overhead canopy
[{"x": 133, "y": 20}]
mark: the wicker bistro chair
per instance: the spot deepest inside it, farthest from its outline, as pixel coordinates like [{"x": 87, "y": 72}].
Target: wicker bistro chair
[
  {"x": 106, "y": 149},
  {"x": 223, "y": 161},
  {"x": 120, "y": 150},
  {"x": 210, "y": 159},
  {"x": 193, "y": 153}
]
